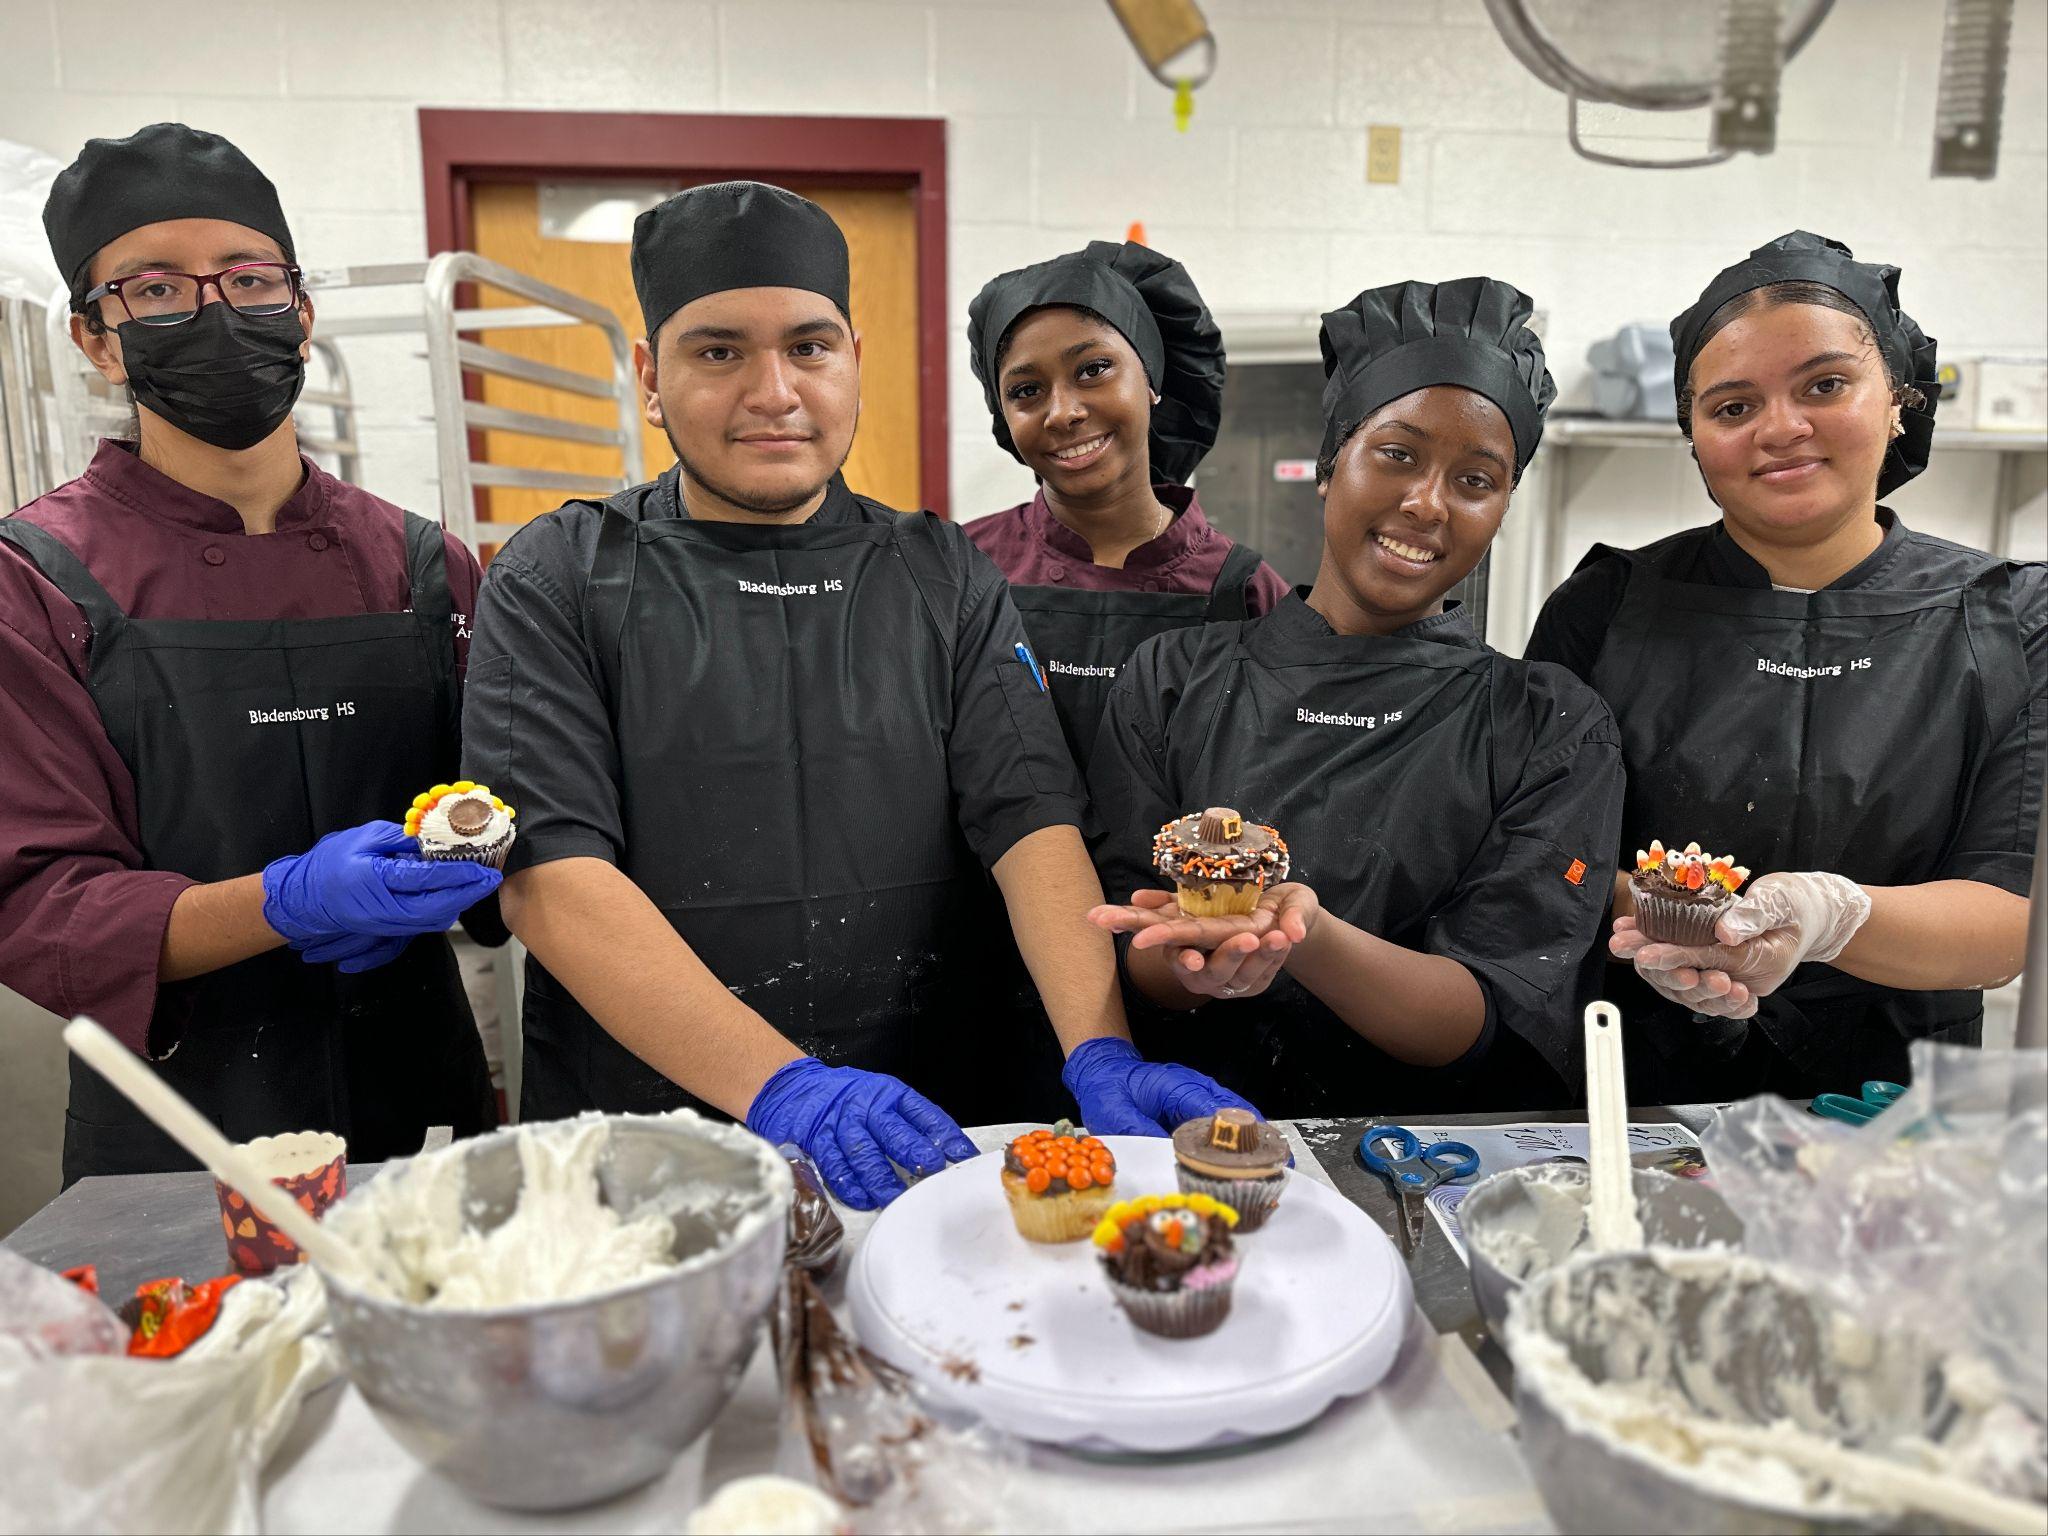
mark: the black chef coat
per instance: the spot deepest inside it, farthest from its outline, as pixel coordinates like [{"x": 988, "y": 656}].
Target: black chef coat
[
  {"x": 546, "y": 711},
  {"x": 1434, "y": 792},
  {"x": 1980, "y": 699}
]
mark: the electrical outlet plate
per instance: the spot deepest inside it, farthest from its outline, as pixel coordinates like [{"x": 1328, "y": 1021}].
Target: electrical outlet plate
[{"x": 1382, "y": 154}]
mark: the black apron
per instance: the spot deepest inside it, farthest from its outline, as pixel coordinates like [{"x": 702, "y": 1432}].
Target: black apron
[
  {"x": 781, "y": 698},
  {"x": 1083, "y": 639},
  {"x": 1381, "y": 821},
  {"x": 1833, "y": 730},
  {"x": 272, "y": 1043}
]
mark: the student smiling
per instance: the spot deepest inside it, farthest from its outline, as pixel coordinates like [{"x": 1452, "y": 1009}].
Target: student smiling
[
  {"x": 1443, "y": 803},
  {"x": 1103, "y": 373},
  {"x": 1853, "y": 709}
]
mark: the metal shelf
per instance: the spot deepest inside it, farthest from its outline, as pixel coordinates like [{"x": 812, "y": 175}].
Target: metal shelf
[{"x": 1595, "y": 432}]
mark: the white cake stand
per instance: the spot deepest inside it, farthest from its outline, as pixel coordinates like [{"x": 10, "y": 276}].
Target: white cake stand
[{"x": 1027, "y": 1336}]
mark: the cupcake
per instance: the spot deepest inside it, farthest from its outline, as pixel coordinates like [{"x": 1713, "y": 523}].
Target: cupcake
[
  {"x": 1218, "y": 862},
  {"x": 1680, "y": 896},
  {"x": 1169, "y": 1262},
  {"x": 1058, "y": 1183},
  {"x": 1236, "y": 1158},
  {"x": 462, "y": 820}
]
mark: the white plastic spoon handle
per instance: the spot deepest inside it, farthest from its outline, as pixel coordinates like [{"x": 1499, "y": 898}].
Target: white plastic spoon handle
[
  {"x": 1611, "y": 1219},
  {"x": 174, "y": 1115}
]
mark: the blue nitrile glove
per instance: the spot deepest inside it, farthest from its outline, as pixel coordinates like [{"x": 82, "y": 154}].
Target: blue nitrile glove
[
  {"x": 853, "y": 1124},
  {"x": 1122, "y": 1094},
  {"x": 353, "y": 953},
  {"x": 367, "y": 883}
]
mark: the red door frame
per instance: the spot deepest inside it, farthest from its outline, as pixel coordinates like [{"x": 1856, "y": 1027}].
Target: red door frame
[{"x": 459, "y": 148}]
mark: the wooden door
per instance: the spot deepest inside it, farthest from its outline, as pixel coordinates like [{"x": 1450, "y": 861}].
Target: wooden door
[{"x": 881, "y": 238}]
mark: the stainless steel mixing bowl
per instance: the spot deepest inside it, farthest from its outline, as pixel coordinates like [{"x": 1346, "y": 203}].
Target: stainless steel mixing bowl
[
  {"x": 557, "y": 1404},
  {"x": 1675, "y": 1213},
  {"x": 1742, "y": 1342}
]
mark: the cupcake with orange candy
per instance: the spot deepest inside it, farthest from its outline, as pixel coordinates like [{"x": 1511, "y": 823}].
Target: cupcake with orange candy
[
  {"x": 1058, "y": 1183},
  {"x": 1169, "y": 1262},
  {"x": 463, "y": 820},
  {"x": 1680, "y": 896}
]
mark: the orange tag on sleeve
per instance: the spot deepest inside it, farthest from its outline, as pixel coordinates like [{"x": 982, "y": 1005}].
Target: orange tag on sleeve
[{"x": 1577, "y": 873}]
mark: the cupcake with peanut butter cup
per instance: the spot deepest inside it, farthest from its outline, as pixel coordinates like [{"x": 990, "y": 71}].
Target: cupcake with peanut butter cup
[
  {"x": 1219, "y": 863},
  {"x": 1236, "y": 1158},
  {"x": 463, "y": 820}
]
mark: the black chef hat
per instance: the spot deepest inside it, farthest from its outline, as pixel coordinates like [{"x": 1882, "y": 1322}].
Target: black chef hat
[
  {"x": 735, "y": 234},
  {"x": 164, "y": 171},
  {"x": 1473, "y": 332},
  {"x": 1153, "y": 303},
  {"x": 1801, "y": 257}
]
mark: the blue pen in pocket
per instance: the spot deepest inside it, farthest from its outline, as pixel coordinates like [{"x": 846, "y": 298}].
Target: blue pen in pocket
[{"x": 1030, "y": 664}]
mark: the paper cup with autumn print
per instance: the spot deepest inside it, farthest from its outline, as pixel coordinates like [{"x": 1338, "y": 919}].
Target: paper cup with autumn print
[{"x": 311, "y": 1167}]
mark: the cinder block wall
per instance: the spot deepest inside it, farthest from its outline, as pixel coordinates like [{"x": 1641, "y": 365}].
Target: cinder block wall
[{"x": 1056, "y": 137}]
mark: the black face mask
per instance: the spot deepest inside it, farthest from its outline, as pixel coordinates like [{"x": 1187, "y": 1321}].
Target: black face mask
[{"x": 225, "y": 377}]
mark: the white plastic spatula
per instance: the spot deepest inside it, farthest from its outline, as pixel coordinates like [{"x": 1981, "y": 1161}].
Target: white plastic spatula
[
  {"x": 174, "y": 1115},
  {"x": 1611, "y": 1220}
]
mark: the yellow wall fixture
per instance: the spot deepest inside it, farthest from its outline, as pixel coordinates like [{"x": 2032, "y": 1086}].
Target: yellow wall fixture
[{"x": 1173, "y": 39}]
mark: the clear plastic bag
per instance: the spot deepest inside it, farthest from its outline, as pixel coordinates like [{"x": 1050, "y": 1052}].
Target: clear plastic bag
[
  {"x": 860, "y": 1431},
  {"x": 44, "y": 1316},
  {"x": 1933, "y": 1215},
  {"x": 103, "y": 1442}
]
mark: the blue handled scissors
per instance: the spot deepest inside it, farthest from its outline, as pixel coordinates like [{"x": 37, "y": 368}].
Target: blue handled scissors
[
  {"x": 1876, "y": 1097},
  {"x": 1413, "y": 1171}
]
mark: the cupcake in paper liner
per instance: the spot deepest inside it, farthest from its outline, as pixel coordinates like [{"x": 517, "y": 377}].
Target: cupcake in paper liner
[
  {"x": 1236, "y": 1159},
  {"x": 1680, "y": 896},
  {"x": 1219, "y": 863},
  {"x": 1169, "y": 1262},
  {"x": 463, "y": 820}
]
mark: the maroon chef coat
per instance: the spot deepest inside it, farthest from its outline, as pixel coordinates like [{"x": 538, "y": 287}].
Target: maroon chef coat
[
  {"x": 81, "y": 921},
  {"x": 1032, "y": 548}
]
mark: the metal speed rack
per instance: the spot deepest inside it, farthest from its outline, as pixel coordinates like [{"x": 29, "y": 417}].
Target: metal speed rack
[{"x": 53, "y": 443}]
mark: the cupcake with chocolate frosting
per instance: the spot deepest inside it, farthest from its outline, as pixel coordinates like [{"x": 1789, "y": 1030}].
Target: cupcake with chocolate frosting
[
  {"x": 1169, "y": 1262},
  {"x": 1058, "y": 1182},
  {"x": 1680, "y": 896},
  {"x": 463, "y": 820},
  {"x": 1219, "y": 863},
  {"x": 1236, "y": 1158}
]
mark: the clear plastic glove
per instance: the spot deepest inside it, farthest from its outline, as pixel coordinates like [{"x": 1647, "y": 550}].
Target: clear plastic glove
[
  {"x": 853, "y": 1125},
  {"x": 1783, "y": 922},
  {"x": 1222, "y": 957},
  {"x": 1122, "y": 1094},
  {"x": 364, "y": 884}
]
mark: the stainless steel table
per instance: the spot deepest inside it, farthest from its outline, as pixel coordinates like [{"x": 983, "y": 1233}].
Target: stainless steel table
[
  {"x": 1430, "y": 1449},
  {"x": 140, "y": 1226}
]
